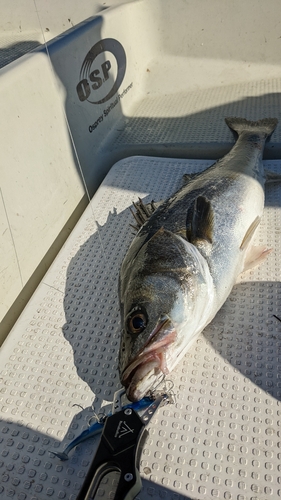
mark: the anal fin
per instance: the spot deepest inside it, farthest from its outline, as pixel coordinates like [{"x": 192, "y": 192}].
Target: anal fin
[
  {"x": 250, "y": 233},
  {"x": 255, "y": 255}
]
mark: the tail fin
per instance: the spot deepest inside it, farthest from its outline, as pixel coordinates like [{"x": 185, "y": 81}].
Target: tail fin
[{"x": 266, "y": 126}]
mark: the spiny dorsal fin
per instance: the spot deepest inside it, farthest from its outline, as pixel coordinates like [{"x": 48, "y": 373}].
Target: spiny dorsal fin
[
  {"x": 143, "y": 212},
  {"x": 199, "y": 220}
]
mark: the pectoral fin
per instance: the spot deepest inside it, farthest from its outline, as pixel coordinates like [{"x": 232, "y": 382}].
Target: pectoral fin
[{"x": 199, "y": 221}]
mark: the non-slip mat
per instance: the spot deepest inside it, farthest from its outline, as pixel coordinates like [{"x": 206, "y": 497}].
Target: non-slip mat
[{"x": 222, "y": 436}]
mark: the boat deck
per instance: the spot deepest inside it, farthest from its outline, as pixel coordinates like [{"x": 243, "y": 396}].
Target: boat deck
[{"x": 221, "y": 436}]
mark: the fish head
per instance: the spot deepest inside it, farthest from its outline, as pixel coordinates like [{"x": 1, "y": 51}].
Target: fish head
[{"x": 163, "y": 293}]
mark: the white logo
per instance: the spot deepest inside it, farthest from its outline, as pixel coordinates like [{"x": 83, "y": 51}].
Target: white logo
[{"x": 122, "y": 429}]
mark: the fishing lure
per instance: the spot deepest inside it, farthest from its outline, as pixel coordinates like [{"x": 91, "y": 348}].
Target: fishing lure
[{"x": 97, "y": 427}]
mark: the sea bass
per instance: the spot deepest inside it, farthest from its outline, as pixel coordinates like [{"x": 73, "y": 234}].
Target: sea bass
[{"x": 186, "y": 257}]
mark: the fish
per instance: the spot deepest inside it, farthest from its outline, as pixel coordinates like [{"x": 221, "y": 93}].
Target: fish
[{"x": 186, "y": 256}]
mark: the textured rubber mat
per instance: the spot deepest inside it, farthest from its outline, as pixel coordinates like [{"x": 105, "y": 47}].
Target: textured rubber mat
[
  {"x": 220, "y": 438},
  {"x": 13, "y": 46},
  {"x": 192, "y": 123}
]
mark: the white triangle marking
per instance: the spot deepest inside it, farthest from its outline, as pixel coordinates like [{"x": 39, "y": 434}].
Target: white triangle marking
[{"x": 123, "y": 429}]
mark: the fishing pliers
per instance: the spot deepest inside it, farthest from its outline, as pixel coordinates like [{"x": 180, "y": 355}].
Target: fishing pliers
[{"x": 118, "y": 449}]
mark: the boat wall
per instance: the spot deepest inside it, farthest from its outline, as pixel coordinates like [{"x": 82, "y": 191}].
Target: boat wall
[
  {"x": 42, "y": 189},
  {"x": 19, "y": 19}
]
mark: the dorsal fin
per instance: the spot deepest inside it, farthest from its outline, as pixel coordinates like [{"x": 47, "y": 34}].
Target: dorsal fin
[
  {"x": 186, "y": 178},
  {"x": 199, "y": 220},
  {"x": 143, "y": 212}
]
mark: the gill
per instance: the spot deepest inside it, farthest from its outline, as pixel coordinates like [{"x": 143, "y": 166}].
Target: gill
[{"x": 70, "y": 133}]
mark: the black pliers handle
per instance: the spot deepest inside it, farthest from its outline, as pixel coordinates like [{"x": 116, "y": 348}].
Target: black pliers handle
[{"x": 118, "y": 451}]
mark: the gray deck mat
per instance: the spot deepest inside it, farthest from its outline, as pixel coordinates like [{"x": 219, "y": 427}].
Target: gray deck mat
[
  {"x": 15, "y": 45},
  {"x": 191, "y": 124},
  {"x": 220, "y": 438}
]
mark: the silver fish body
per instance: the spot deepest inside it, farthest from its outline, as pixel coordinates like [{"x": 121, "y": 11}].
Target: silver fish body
[{"x": 185, "y": 259}]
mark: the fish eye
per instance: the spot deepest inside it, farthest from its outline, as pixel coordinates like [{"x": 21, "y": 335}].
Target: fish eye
[{"x": 136, "y": 322}]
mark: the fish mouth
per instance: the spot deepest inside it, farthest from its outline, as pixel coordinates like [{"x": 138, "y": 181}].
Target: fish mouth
[{"x": 139, "y": 376}]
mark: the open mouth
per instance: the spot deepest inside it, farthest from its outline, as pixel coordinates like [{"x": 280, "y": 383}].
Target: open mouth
[{"x": 140, "y": 374}]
